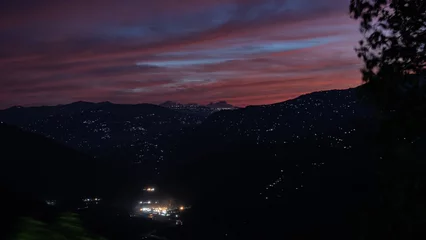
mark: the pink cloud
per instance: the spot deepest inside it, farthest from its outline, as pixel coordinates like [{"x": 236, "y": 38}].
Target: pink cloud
[{"x": 87, "y": 62}]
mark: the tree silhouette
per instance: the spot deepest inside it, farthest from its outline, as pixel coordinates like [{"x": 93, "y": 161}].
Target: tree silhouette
[
  {"x": 394, "y": 55},
  {"x": 394, "y": 39}
]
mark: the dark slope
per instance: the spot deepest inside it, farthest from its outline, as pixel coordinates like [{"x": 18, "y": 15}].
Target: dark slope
[
  {"x": 34, "y": 164},
  {"x": 14, "y": 205},
  {"x": 300, "y": 168},
  {"x": 137, "y": 135}
]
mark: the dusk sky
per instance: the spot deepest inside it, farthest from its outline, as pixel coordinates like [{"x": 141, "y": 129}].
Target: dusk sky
[{"x": 245, "y": 52}]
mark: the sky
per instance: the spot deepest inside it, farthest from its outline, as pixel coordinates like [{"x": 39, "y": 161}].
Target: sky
[{"x": 245, "y": 52}]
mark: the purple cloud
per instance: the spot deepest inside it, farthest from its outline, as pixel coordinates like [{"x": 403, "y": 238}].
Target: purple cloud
[{"x": 54, "y": 52}]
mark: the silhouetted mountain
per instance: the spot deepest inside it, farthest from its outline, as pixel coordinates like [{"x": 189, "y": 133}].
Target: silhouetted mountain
[
  {"x": 304, "y": 168},
  {"x": 35, "y": 164},
  {"x": 330, "y": 115},
  {"x": 170, "y": 104},
  {"x": 220, "y": 105},
  {"x": 132, "y": 134},
  {"x": 308, "y": 168},
  {"x": 46, "y": 169},
  {"x": 213, "y": 105},
  {"x": 147, "y": 134},
  {"x": 197, "y": 109},
  {"x": 280, "y": 169}
]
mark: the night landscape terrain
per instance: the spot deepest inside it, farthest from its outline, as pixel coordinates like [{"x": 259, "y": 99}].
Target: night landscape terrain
[
  {"x": 213, "y": 120},
  {"x": 309, "y": 162}
]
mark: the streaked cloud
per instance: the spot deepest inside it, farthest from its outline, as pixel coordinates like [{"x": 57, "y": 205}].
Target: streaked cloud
[{"x": 245, "y": 52}]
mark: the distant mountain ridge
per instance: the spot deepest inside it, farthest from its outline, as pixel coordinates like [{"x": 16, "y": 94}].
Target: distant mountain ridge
[
  {"x": 220, "y": 105},
  {"x": 214, "y": 105},
  {"x": 147, "y": 135},
  {"x": 132, "y": 133},
  {"x": 305, "y": 164},
  {"x": 167, "y": 104},
  {"x": 198, "y": 109}
]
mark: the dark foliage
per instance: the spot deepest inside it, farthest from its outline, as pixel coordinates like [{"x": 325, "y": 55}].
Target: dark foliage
[{"x": 394, "y": 38}]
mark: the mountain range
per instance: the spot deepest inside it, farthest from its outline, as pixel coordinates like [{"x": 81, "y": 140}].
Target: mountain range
[
  {"x": 131, "y": 134},
  {"x": 310, "y": 162},
  {"x": 213, "y": 105},
  {"x": 144, "y": 136},
  {"x": 197, "y": 109}
]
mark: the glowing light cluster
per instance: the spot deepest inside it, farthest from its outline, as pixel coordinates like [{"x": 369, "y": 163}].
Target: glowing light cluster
[
  {"x": 149, "y": 189},
  {"x": 92, "y": 200}
]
